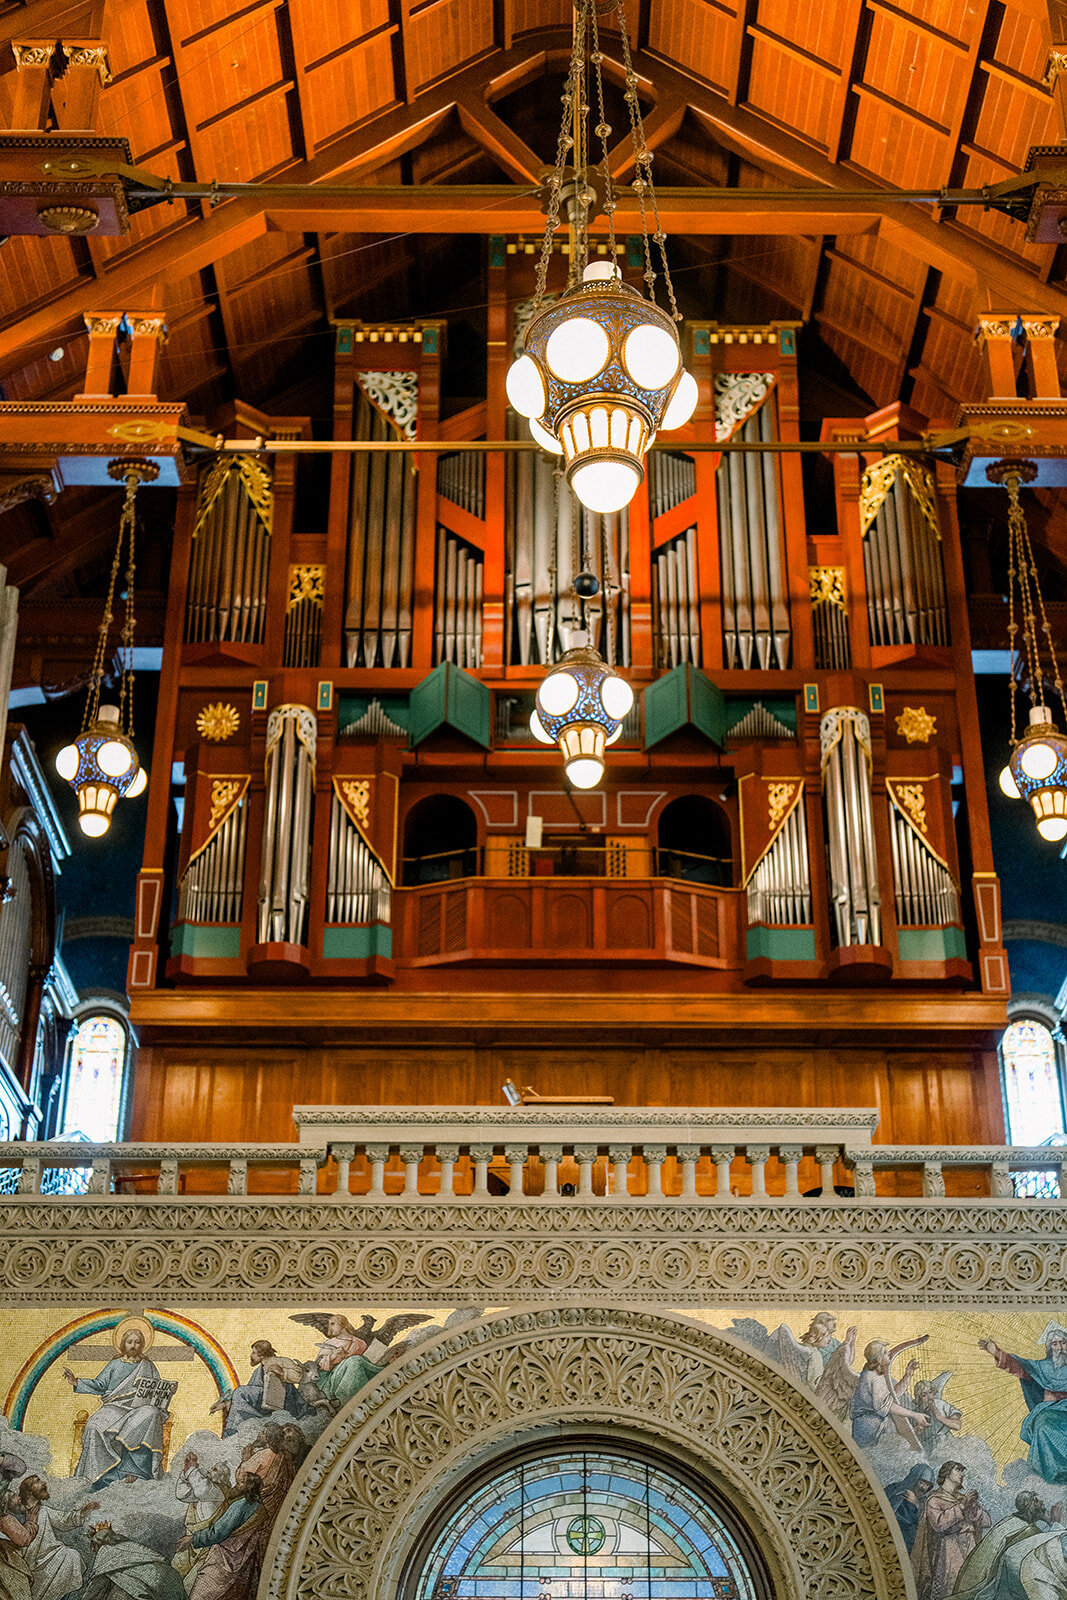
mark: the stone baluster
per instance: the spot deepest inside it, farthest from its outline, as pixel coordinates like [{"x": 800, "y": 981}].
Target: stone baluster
[
  {"x": 342, "y": 1154},
  {"x": 585, "y": 1155},
  {"x": 1000, "y": 1185},
  {"x": 826, "y": 1155},
  {"x": 30, "y": 1175},
  {"x": 863, "y": 1174},
  {"x": 308, "y": 1177},
  {"x": 481, "y": 1155},
  {"x": 411, "y": 1155},
  {"x": 447, "y": 1155},
  {"x": 688, "y": 1155},
  {"x": 758, "y": 1157},
  {"x": 791, "y": 1155},
  {"x": 237, "y": 1176},
  {"x": 515, "y": 1156},
  {"x": 551, "y": 1156},
  {"x": 1061, "y": 1180},
  {"x": 377, "y": 1155},
  {"x": 100, "y": 1177},
  {"x": 723, "y": 1155},
  {"x": 655, "y": 1155},
  {"x": 620, "y": 1159},
  {"x": 933, "y": 1180},
  {"x": 167, "y": 1181}
]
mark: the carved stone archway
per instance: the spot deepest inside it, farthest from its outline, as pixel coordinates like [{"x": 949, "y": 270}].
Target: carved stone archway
[{"x": 378, "y": 1474}]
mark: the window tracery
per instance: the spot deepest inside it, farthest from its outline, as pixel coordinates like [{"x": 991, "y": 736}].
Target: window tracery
[{"x": 92, "y": 1104}]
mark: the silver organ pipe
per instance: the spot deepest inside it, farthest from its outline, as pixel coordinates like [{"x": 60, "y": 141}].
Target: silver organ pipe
[
  {"x": 676, "y": 600},
  {"x": 671, "y": 478},
  {"x": 357, "y": 890},
  {"x": 286, "y": 845},
  {"x": 381, "y": 548},
  {"x": 779, "y": 890},
  {"x": 902, "y": 557},
  {"x": 846, "y": 741},
  {"x": 212, "y": 889},
  {"x": 829, "y": 617},
  {"x": 303, "y": 616},
  {"x": 461, "y": 479},
  {"x": 15, "y": 941},
  {"x": 925, "y": 890},
  {"x": 458, "y": 601},
  {"x": 231, "y": 547},
  {"x": 755, "y": 607}
]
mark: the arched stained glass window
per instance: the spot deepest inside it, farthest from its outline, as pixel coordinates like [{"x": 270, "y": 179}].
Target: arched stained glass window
[
  {"x": 572, "y": 1524},
  {"x": 95, "y": 1079},
  {"x": 1032, "y": 1090}
]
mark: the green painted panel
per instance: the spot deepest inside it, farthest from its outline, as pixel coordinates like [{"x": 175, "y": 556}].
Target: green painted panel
[
  {"x": 215, "y": 943},
  {"x": 780, "y": 944},
  {"x": 707, "y": 708},
  {"x": 684, "y": 697},
  {"x": 450, "y": 695},
  {"x": 357, "y": 944},
  {"x": 931, "y": 944}
]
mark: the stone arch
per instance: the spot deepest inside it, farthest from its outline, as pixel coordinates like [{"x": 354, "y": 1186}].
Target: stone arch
[{"x": 380, "y": 1471}]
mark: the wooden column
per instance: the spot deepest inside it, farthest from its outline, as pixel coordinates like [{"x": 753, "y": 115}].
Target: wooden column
[
  {"x": 1041, "y": 357},
  {"x": 103, "y": 329},
  {"x": 34, "y": 60},
  {"x": 148, "y": 332},
  {"x": 994, "y": 337},
  {"x": 87, "y": 72}
]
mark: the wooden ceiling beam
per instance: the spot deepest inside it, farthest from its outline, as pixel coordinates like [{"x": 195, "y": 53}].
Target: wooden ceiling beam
[{"x": 492, "y": 134}]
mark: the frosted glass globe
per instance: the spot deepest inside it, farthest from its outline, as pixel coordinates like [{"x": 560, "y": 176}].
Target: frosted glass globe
[
  {"x": 605, "y": 485},
  {"x": 683, "y": 403},
  {"x": 92, "y": 823},
  {"x": 576, "y": 351},
  {"x": 613, "y": 738},
  {"x": 537, "y": 728},
  {"x": 1052, "y": 827},
  {"x": 585, "y": 772},
  {"x": 558, "y": 693},
  {"x": 546, "y": 440},
  {"x": 526, "y": 387},
  {"x": 616, "y": 697},
  {"x": 138, "y": 785},
  {"x": 1008, "y": 784},
  {"x": 600, "y": 272},
  {"x": 67, "y": 761},
  {"x": 114, "y": 759},
  {"x": 651, "y": 355},
  {"x": 1038, "y": 760}
]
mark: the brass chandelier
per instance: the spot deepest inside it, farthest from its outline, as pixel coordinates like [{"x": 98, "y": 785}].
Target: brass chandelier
[
  {"x": 1037, "y": 767},
  {"x": 601, "y": 370}
]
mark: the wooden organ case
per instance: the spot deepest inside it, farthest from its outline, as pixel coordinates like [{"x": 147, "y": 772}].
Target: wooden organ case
[{"x": 781, "y": 893}]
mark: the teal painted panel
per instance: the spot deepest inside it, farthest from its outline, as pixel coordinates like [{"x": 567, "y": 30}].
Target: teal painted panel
[
  {"x": 931, "y": 944},
  {"x": 427, "y": 703},
  {"x": 195, "y": 939},
  {"x": 450, "y": 695},
  {"x": 357, "y": 944},
  {"x": 738, "y": 707},
  {"x": 707, "y": 707},
  {"x": 780, "y": 944},
  {"x": 681, "y": 697}
]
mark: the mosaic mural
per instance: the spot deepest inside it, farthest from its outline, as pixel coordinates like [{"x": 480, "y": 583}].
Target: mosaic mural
[{"x": 146, "y": 1453}]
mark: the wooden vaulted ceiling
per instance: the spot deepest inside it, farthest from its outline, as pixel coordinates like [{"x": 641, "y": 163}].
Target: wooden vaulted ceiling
[{"x": 432, "y": 93}]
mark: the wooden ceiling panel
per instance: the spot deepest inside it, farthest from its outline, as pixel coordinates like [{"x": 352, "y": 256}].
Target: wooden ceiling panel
[
  {"x": 132, "y": 44},
  {"x": 321, "y": 28},
  {"x": 251, "y": 142},
  {"x": 255, "y": 261},
  {"x": 956, "y": 18},
  {"x": 48, "y": 379},
  {"x": 269, "y": 305},
  {"x": 1022, "y": 44},
  {"x": 1001, "y": 230},
  {"x": 887, "y": 256},
  {"x": 230, "y": 66},
  {"x": 950, "y": 351},
  {"x": 854, "y": 299},
  {"x": 33, "y": 270},
  {"x": 816, "y": 29},
  {"x": 793, "y": 90},
  {"x": 442, "y": 35},
  {"x": 877, "y": 372},
  {"x": 697, "y": 34},
  {"x": 1013, "y": 117},
  {"x": 135, "y": 107},
  {"x": 189, "y": 19},
  {"x": 150, "y": 223},
  {"x": 346, "y": 89},
  {"x": 525, "y": 15},
  {"x": 786, "y": 265},
  {"x": 896, "y": 147},
  {"x": 916, "y": 68}
]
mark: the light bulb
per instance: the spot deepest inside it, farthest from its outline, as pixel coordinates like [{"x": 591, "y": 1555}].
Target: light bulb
[
  {"x": 605, "y": 485},
  {"x": 616, "y": 697},
  {"x": 1008, "y": 784},
  {"x": 138, "y": 785},
  {"x": 114, "y": 758},
  {"x": 537, "y": 728},
  {"x": 1038, "y": 759},
  {"x": 67, "y": 761},
  {"x": 526, "y": 387},
  {"x": 577, "y": 350},
  {"x": 558, "y": 693},
  {"x": 1052, "y": 828},
  {"x": 651, "y": 355},
  {"x": 683, "y": 403},
  {"x": 93, "y": 824},
  {"x": 600, "y": 272},
  {"x": 584, "y": 772},
  {"x": 613, "y": 738},
  {"x": 546, "y": 440}
]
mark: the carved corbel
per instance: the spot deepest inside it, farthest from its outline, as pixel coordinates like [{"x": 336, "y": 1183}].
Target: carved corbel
[
  {"x": 85, "y": 73},
  {"x": 1041, "y": 356},
  {"x": 34, "y": 60},
  {"x": 994, "y": 336},
  {"x": 103, "y": 329}
]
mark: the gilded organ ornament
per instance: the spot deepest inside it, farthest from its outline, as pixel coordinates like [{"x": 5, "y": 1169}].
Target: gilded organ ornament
[
  {"x": 217, "y": 722},
  {"x": 912, "y": 798},
  {"x": 779, "y": 799},
  {"x": 225, "y": 793},
  {"x": 305, "y": 583},
  {"x": 356, "y": 792},
  {"x": 916, "y": 725},
  {"x": 827, "y": 586}
]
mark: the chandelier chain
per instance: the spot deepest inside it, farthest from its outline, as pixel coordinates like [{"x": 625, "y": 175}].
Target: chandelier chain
[
  {"x": 129, "y": 623},
  {"x": 96, "y": 677},
  {"x": 564, "y": 142},
  {"x": 603, "y": 132},
  {"x": 1023, "y": 566},
  {"x": 642, "y": 183}
]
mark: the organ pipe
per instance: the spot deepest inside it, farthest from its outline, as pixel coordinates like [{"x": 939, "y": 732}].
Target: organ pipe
[
  {"x": 212, "y": 889},
  {"x": 286, "y": 843},
  {"x": 756, "y": 628},
  {"x": 461, "y": 479},
  {"x": 357, "y": 889},
  {"x": 845, "y": 738},
  {"x": 902, "y": 555},
  {"x": 231, "y": 548},
  {"x": 829, "y": 617},
  {"x": 381, "y": 548},
  {"x": 926, "y": 893},
  {"x": 779, "y": 890},
  {"x": 676, "y": 600}
]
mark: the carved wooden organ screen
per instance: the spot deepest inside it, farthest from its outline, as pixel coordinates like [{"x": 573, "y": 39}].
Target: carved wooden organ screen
[{"x": 902, "y": 555}]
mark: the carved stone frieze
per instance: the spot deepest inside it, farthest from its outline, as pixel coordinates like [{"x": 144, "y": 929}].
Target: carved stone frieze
[
  {"x": 382, "y": 1472},
  {"x": 272, "y": 1251}
]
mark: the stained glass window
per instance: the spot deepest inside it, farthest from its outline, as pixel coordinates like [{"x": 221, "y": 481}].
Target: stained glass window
[
  {"x": 581, "y": 1523},
  {"x": 1032, "y": 1089},
  {"x": 95, "y": 1078}
]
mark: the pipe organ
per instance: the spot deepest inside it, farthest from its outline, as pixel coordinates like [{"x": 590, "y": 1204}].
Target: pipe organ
[{"x": 355, "y": 745}]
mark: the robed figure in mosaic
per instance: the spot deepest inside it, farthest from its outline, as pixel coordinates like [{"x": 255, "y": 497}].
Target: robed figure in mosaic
[{"x": 1044, "y": 1386}]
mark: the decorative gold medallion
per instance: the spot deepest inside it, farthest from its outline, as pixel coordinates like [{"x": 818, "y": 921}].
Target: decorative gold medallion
[
  {"x": 217, "y": 722},
  {"x": 916, "y": 725},
  {"x": 305, "y": 583}
]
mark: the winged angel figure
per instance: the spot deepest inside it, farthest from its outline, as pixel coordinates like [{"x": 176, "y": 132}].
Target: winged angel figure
[{"x": 349, "y": 1357}]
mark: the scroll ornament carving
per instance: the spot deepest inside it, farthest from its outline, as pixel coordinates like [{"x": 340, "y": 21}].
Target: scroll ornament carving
[
  {"x": 357, "y": 793},
  {"x": 305, "y": 583},
  {"x": 779, "y": 798},
  {"x": 382, "y": 1469},
  {"x": 1041, "y": 327},
  {"x": 225, "y": 792},
  {"x": 737, "y": 395},
  {"x": 879, "y": 479},
  {"x": 827, "y": 586},
  {"x": 32, "y": 53},
  {"x": 912, "y": 799},
  {"x": 833, "y": 725},
  {"x": 306, "y": 727},
  {"x": 255, "y": 479},
  {"x": 396, "y": 395},
  {"x": 89, "y": 55},
  {"x": 916, "y": 725},
  {"x": 995, "y": 328}
]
